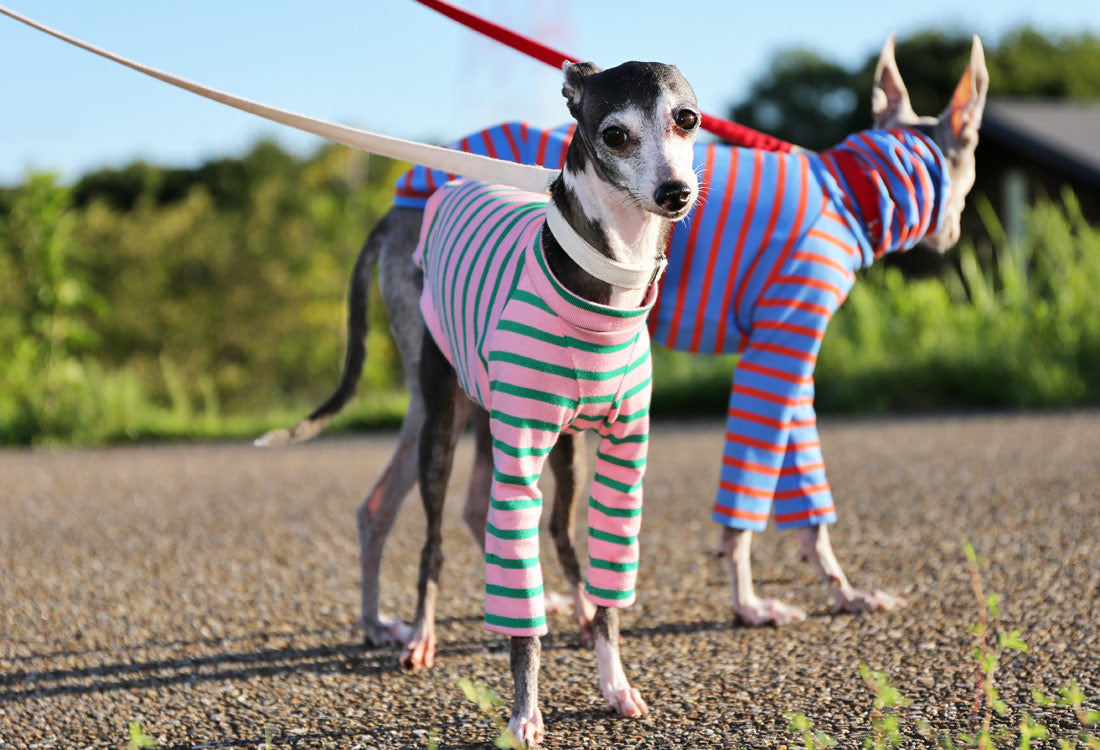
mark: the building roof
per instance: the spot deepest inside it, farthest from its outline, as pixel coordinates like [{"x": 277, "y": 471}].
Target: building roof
[{"x": 1063, "y": 134}]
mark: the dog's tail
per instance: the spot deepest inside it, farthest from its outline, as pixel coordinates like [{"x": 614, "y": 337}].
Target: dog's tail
[{"x": 356, "y": 354}]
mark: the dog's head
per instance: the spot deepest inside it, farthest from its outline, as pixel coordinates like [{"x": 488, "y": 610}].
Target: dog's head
[
  {"x": 636, "y": 128},
  {"x": 955, "y": 131}
]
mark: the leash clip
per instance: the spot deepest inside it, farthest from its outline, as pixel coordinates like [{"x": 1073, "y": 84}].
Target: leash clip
[{"x": 662, "y": 263}]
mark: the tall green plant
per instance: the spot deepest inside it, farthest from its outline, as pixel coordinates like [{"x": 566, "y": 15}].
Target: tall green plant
[
  {"x": 991, "y": 645},
  {"x": 1022, "y": 330},
  {"x": 50, "y": 313}
]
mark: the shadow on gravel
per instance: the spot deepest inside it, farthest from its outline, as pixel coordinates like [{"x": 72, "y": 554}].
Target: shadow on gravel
[
  {"x": 151, "y": 644},
  {"x": 344, "y": 658},
  {"x": 582, "y": 716},
  {"x": 310, "y": 739},
  {"x": 399, "y": 733},
  {"x": 680, "y": 628}
]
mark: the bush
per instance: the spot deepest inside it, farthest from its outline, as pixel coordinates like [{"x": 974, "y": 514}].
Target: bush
[
  {"x": 209, "y": 302},
  {"x": 191, "y": 312}
]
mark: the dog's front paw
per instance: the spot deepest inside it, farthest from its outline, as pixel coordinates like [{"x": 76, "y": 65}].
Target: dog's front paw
[
  {"x": 419, "y": 652},
  {"x": 527, "y": 728},
  {"x": 385, "y": 633},
  {"x": 866, "y": 601},
  {"x": 626, "y": 702},
  {"x": 767, "y": 612}
]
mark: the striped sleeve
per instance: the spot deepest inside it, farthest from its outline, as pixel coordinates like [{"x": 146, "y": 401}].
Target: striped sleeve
[
  {"x": 772, "y": 381},
  {"x": 531, "y": 397},
  {"x": 615, "y": 504}
]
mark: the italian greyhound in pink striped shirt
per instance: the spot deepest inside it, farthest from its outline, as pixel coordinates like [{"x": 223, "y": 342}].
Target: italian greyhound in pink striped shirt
[{"x": 536, "y": 313}]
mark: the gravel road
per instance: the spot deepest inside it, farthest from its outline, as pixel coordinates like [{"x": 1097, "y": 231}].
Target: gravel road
[{"x": 210, "y": 590}]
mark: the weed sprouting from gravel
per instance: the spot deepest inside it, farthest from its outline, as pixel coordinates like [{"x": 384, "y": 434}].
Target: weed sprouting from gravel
[
  {"x": 990, "y": 647},
  {"x": 800, "y": 725},
  {"x": 987, "y": 655},
  {"x": 1073, "y": 698},
  {"x": 885, "y": 723},
  {"x": 488, "y": 702},
  {"x": 138, "y": 737}
]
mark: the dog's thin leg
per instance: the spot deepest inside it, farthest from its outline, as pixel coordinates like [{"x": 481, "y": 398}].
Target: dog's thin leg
[
  {"x": 747, "y": 607},
  {"x": 439, "y": 385},
  {"x": 478, "y": 491},
  {"x": 616, "y": 689},
  {"x": 375, "y": 518},
  {"x": 568, "y": 464},
  {"x": 814, "y": 544},
  {"x": 400, "y": 282},
  {"x": 526, "y": 723}
]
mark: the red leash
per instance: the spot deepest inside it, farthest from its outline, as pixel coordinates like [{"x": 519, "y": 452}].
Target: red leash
[{"x": 725, "y": 129}]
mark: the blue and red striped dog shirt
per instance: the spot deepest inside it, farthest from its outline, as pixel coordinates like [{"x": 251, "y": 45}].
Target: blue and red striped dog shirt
[{"x": 759, "y": 268}]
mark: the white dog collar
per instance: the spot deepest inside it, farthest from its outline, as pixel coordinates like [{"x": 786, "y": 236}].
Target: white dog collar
[{"x": 625, "y": 275}]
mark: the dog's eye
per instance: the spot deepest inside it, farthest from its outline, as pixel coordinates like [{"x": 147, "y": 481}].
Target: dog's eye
[
  {"x": 686, "y": 119},
  {"x": 615, "y": 137}
]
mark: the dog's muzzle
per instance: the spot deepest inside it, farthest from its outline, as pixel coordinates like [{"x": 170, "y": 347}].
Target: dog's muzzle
[{"x": 673, "y": 196}]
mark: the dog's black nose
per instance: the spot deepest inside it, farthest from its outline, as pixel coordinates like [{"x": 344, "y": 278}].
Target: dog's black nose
[{"x": 673, "y": 196}]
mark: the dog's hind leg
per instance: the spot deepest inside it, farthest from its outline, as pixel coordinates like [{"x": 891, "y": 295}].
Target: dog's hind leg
[
  {"x": 814, "y": 544},
  {"x": 568, "y": 464},
  {"x": 375, "y": 518},
  {"x": 616, "y": 689},
  {"x": 807, "y": 493},
  {"x": 479, "y": 489},
  {"x": 400, "y": 282},
  {"x": 442, "y": 405}
]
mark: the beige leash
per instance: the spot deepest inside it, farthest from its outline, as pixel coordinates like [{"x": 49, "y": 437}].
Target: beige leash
[{"x": 523, "y": 176}]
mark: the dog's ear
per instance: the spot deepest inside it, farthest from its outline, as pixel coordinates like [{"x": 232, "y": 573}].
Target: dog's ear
[
  {"x": 572, "y": 87},
  {"x": 964, "y": 112},
  {"x": 889, "y": 97}
]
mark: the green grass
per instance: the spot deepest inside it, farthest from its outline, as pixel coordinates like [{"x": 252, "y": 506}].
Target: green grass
[{"x": 86, "y": 405}]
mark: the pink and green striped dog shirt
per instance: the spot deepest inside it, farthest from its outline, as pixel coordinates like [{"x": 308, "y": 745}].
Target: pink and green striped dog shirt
[{"x": 543, "y": 362}]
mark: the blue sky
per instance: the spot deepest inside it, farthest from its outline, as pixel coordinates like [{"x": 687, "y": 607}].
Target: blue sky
[{"x": 395, "y": 67}]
